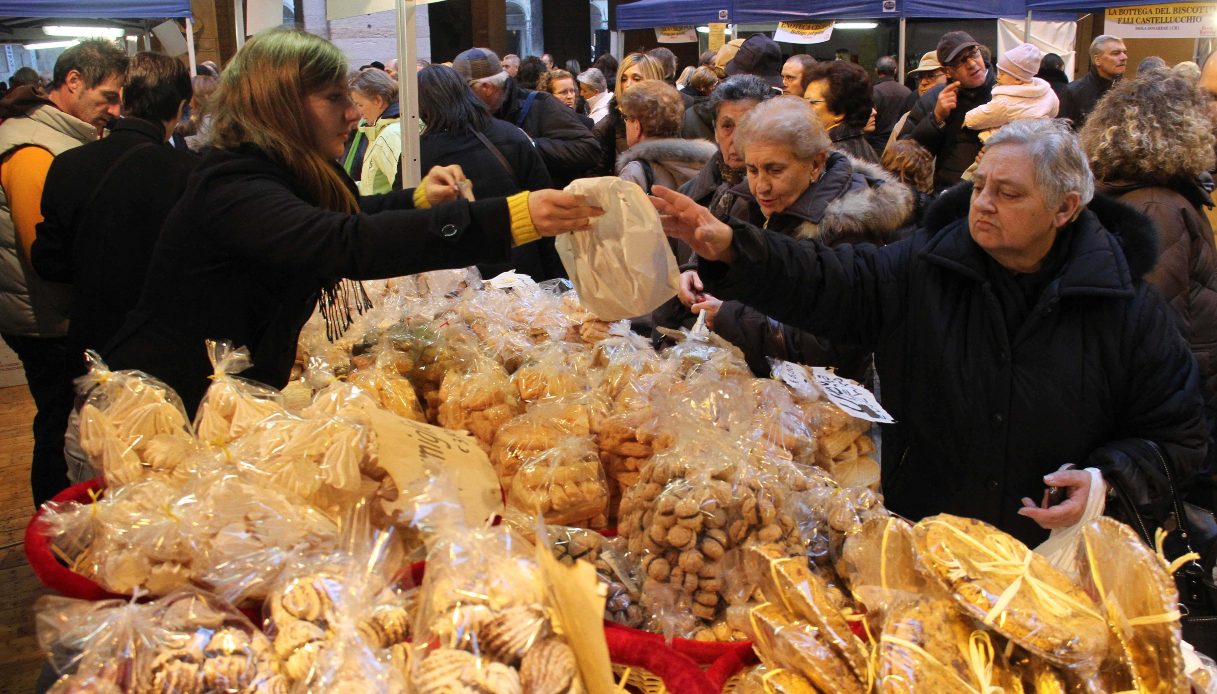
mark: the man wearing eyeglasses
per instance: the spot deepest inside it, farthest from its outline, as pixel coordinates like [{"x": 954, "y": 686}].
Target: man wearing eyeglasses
[{"x": 936, "y": 121}]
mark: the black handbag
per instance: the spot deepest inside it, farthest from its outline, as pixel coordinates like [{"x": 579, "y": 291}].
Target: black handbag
[{"x": 1190, "y": 529}]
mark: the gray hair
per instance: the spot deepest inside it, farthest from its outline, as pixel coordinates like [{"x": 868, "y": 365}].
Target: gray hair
[
  {"x": 741, "y": 88},
  {"x": 1060, "y": 164},
  {"x": 1096, "y": 46},
  {"x": 375, "y": 82},
  {"x": 497, "y": 80},
  {"x": 512, "y": 58},
  {"x": 886, "y": 65},
  {"x": 594, "y": 79},
  {"x": 788, "y": 121}
]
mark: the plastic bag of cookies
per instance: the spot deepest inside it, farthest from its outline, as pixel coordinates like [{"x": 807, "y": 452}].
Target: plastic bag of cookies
[
  {"x": 539, "y": 429},
  {"x": 564, "y": 484},
  {"x": 483, "y": 622},
  {"x": 479, "y": 399},
  {"x": 552, "y": 370},
  {"x": 337, "y": 619},
  {"x": 382, "y": 381},
  {"x": 131, "y": 424},
  {"x": 320, "y": 459},
  {"x": 187, "y": 641},
  {"x": 232, "y": 405},
  {"x": 615, "y": 568}
]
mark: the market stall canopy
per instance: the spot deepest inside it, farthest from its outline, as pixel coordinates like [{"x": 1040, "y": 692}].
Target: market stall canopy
[
  {"x": 761, "y": 11},
  {"x": 98, "y": 9},
  {"x": 647, "y": 14},
  {"x": 1036, "y": 6}
]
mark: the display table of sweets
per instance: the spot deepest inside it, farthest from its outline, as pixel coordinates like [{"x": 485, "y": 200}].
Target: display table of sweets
[{"x": 726, "y": 519}]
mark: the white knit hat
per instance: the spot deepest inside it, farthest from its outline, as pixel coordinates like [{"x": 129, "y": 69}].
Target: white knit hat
[{"x": 1022, "y": 61}]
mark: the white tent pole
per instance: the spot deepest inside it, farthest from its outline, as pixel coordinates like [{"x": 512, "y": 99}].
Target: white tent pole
[
  {"x": 238, "y": 13},
  {"x": 903, "y": 48},
  {"x": 407, "y": 75},
  {"x": 1027, "y": 28},
  {"x": 194, "y": 71}
]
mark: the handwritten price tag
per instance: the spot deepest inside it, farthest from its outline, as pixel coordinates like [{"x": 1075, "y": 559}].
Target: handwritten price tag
[{"x": 851, "y": 397}]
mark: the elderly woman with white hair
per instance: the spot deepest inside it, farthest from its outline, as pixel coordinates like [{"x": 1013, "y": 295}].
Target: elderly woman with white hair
[
  {"x": 797, "y": 186},
  {"x": 1012, "y": 334}
]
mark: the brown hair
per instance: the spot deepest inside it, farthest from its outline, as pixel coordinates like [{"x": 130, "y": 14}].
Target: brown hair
[
  {"x": 546, "y": 83},
  {"x": 261, "y": 102},
  {"x": 911, "y": 164},
  {"x": 657, "y": 107},
  {"x": 704, "y": 79}
]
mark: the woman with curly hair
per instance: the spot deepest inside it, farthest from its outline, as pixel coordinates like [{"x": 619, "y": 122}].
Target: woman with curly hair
[
  {"x": 1149, "y": 140},
  {"x": 839, "y": 93}
]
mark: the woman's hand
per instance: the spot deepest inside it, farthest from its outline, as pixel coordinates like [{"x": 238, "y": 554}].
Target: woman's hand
[
  {"x": 690, "y": 288},
  {"x": 555, "y": 212},
  {"x": 443, "y": 184},
  {"x": 708, "y": 305},
  {"x": 1068, "y": 512},
  {"x": 686, "y": 220}
]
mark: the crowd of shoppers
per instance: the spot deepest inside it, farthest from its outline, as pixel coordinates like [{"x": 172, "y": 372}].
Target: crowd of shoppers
[{"x": 1026, "y": 296}]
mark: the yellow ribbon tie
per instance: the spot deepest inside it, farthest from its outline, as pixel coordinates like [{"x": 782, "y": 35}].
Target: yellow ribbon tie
[{"x": 980, "y": 659}]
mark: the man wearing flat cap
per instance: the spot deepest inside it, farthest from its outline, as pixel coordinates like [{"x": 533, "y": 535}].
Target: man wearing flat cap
[{"x": 936, "y": 121}]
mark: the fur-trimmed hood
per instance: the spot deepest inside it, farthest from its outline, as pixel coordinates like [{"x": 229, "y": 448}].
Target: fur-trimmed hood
[
  {"x": 1133, "y": 231},
  {"x": 854, "y": 201},
  {"x": 670, "y": 151}
]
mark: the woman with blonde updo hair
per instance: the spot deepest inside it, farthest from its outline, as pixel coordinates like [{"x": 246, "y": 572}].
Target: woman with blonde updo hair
[
  {"x": 270, "y": 227},
  {"x": 1149, "y": 141}
]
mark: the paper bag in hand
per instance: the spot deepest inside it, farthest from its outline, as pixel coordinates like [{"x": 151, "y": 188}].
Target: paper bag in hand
[{"x": 622, "y": 267}]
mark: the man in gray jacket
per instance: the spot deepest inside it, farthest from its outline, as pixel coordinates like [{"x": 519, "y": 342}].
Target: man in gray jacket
[{"x": 83, "y": 97}]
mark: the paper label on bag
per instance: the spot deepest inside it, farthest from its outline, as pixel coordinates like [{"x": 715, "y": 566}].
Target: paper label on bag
[
  {"x": 408, "y": 451},
  {"x": 798, "y": 379},
  {"x": 851, "y": 397},
  {"x": 577, "y": 597},
  {"x": 510, "y": 280}
]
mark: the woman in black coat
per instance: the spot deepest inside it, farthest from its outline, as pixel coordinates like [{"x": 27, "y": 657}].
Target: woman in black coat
[
  {"x": 269, "y": 224},
  {"x": 1012, "y": 334},
  {"x": 501, "y": 162}
]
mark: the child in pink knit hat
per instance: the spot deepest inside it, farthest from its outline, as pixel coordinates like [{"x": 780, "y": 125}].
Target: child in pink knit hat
[{"x": 1018, "y": 94}]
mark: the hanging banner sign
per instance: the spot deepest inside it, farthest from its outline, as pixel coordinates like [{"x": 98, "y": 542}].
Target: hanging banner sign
[
  {"x": 676, "y": 34},
  {"x": 803, "y": 32},
  {"x": 1173, "y": 21},
  {"x": 716, "y": 41}
]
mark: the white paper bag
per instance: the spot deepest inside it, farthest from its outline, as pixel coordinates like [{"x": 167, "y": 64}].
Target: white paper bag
[{"x": 623, "y": 267}]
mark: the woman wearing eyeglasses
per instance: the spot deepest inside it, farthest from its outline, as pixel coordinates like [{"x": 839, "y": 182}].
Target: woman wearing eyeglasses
[
  {"x": 936, "y": 121},
  {"x": 839, "y": 93}
]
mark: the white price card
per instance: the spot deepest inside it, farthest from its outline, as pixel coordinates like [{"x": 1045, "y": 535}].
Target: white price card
[
  {"x": 851, "y": 397},
  {"x": 798, "y": 378}
]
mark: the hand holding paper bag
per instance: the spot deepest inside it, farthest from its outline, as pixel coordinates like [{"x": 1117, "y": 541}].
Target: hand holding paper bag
[{"x": 623, "y": 267}]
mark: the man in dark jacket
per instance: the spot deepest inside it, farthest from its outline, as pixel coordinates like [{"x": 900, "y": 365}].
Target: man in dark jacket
[
  {"x": 105, "y": 203},
  {"x": 1108, "y": 60},
  {"x": 1012, "y": 334},
  {"x": 936, "y": 121},
  {"x": 567, "y": 146},
  {"x": 889, "y": 98}
]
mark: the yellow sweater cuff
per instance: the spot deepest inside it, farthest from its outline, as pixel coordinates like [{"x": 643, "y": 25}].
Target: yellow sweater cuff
[
  {"x": 420, "y": 197},
  {"x": 522, "y": 230}
]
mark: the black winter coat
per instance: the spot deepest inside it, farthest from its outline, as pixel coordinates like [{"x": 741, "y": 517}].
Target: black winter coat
[
  {"x": 1095, "y": 371},
  {"x": 243, "y": 257},
  {"x": 954, "y": 147},
  {"x": 538, "y": 260},
  {"x": 1059, "y": 82},
  {"x": 852, "y": 141},
  {"x": 103, "y": 250},
  {"x": 567, "y": 146},
  {"x": 1085, "y": 92}
]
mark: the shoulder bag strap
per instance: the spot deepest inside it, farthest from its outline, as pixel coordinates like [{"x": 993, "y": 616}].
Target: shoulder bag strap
[
  {"x": 532, "y": 96},
  {"x": 498, "y": 155}
]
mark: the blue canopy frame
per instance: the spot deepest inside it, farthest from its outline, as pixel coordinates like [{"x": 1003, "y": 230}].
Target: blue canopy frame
[{"x": 97, "y": 9}]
